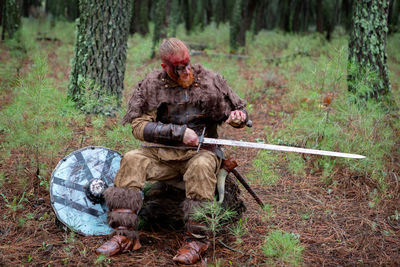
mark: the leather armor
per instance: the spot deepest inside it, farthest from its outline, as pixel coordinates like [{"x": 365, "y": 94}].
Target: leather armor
[{"x": 173, "y": 119}]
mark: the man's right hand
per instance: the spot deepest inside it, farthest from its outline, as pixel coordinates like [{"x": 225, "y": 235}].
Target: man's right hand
[{"x": 190, "y": 138}]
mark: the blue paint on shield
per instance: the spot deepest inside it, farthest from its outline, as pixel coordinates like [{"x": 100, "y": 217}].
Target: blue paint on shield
[{"x": 68, "y": 181}]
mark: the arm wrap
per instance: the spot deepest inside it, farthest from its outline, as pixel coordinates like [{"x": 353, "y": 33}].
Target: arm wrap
[{"x": 157, "y": 132}]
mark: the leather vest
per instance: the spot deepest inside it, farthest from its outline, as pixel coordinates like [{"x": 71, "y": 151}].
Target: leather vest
[{"x": 182, "y": 112}]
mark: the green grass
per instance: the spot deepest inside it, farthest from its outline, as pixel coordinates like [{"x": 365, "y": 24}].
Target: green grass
[
  {"x": 266, "y": 167},
  {"x": 283, "y": 249}
]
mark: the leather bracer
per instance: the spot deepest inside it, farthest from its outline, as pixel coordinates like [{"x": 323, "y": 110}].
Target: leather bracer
[{"x": 157, "y": 132}]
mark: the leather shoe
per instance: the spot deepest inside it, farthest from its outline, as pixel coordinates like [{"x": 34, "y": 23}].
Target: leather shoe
[
  {"x": 117, "y": 244},
  {"x": 190, "y": 252}
]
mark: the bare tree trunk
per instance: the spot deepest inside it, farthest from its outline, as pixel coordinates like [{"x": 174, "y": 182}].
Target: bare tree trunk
[{"x": 11, "y": 18}]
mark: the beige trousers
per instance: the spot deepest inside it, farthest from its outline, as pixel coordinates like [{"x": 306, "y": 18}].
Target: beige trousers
[{"x": 159, "y": 164}]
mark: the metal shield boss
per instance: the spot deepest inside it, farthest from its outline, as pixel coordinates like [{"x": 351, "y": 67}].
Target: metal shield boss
[{"x": 76, "y": 188}]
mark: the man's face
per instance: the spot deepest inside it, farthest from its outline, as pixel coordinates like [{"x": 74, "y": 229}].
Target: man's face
[{"x": 179, "y": 68}]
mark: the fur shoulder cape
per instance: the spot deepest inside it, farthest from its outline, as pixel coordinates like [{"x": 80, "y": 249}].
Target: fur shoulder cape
[{"x": 209, "y": 91}]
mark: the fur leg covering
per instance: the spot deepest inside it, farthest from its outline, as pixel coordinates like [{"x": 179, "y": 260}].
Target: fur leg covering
[
  {"x": 193, "y": 228},
  {"x": 123, "y": 205}
]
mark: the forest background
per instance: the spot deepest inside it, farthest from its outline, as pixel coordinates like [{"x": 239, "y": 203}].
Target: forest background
[{"x": 318, "y": 74}]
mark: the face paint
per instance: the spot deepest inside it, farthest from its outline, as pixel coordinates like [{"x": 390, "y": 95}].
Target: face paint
[{"x": 180, "y": 69}]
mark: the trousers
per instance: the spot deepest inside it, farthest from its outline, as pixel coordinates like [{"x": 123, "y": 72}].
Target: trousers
[{"x": 198, "y": 170}]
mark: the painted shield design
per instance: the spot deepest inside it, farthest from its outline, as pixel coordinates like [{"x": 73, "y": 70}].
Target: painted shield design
[{"x": 76, "y": 188}]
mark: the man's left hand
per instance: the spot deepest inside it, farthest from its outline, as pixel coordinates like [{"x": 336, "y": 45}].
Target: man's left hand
[{"x": 236, "y": 117}]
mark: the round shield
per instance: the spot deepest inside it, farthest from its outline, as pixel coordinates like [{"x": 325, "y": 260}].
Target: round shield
[{"x": 76, "y": 186}]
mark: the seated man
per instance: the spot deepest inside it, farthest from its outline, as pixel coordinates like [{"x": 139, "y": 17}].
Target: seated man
[{"x": 171, "y": 106}]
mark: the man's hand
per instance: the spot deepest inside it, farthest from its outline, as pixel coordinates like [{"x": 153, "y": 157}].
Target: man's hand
[
  {"x": 236, "y": 118},
  {"x": 190, "y": 138}
]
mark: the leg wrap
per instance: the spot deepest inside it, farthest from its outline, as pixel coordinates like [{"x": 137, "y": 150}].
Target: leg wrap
[
  {"x": 193, "y": 228},
  {"x": 123, "y": 205},
  {"x": 123, "y": 198}
]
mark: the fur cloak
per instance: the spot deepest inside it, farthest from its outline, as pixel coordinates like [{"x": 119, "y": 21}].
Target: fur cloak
[{"x": 209, "y": 91}]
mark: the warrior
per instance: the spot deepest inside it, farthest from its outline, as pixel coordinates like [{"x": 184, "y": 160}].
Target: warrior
[{"x": 170, "y": 107}]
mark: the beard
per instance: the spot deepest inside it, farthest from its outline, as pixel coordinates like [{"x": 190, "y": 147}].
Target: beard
[{"x": 186, "y": 81}]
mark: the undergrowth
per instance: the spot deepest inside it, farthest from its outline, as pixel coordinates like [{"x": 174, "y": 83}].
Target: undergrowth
[
  {"x": 324, "y": 115},
  {"x": 36, "y": 122},
  {"x": 283, "y": 249}
]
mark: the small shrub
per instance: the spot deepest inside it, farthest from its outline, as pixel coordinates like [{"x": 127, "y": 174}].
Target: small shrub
[
  {"x": 37, "y": 120},
  {"x": 283, "y": 248},
  {"x": 214, "y": 216}
]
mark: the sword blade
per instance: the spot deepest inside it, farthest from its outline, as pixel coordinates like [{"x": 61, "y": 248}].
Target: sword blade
[{"x": 280, "y": 148}]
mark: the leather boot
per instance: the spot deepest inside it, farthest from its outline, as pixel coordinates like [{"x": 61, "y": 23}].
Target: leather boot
[
  {"x": 191, "y": 252},
  {"x": 116, "y": 245},
  {"x": 195, "y": 243},
  {"x": 123, "y": 205}
]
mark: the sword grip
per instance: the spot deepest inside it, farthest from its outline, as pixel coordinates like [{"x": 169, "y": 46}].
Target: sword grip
[{"x": 201, "y": 139}]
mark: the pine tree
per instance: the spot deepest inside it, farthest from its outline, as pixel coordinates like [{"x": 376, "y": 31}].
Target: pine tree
[
  {"x": 326, "y": 11},
  {"x": 72, "y": 11},
  {"x": 28, "y": 4},
  {"x": 241, "y": 20},
  {"x": 11, "y": 18},
  {"x": 140, "y": 13},
  {"x": 394, "y": 16},
  {"x": 97, "y": 75},
  {"x": 368, "y": 72},
  {"x": 346, "y": 14},
  {"x": 235, "y": 25},
  {"x": 174, "y": 18},
  {"x": 160, "y": 27},
  {"x": 188, "y": 15}
]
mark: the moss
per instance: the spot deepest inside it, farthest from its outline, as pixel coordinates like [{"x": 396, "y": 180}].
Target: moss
[
  {"x": 100, "y": 50},
  {"x": 367, "y": 54}
]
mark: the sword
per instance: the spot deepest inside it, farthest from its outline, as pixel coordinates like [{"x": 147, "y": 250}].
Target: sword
[{"x": 206, "y": 140}]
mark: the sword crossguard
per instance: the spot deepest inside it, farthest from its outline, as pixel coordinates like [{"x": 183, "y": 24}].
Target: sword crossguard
[{"x": 201, "y": 139}]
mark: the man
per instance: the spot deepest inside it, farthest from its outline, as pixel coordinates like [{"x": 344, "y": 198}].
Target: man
[{"x": 172, "y": 106}]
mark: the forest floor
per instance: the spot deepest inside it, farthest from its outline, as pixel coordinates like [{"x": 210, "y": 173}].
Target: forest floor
[{"x": 336, "y": 227}]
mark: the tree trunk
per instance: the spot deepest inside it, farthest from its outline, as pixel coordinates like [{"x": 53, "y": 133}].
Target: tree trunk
[
  {"x": 368, "y": 72},
  {"x": 11, "y": 18},
  {"x": 319, "y": 17},
  {"x": 27, "y": 5},
  {"x": 97, "y": 75},
  {"x": 346, "y": 14},
  {"x": 188, "y": 15},
  {"x": 174, "y": 18},
  {"x": 393, "y": 19},
  {"x": 140, "y": 15},
  {"x": 160, "y": 27},
  {"x": 72, "y": 10},
  {"x": 1, "y": 12}
]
